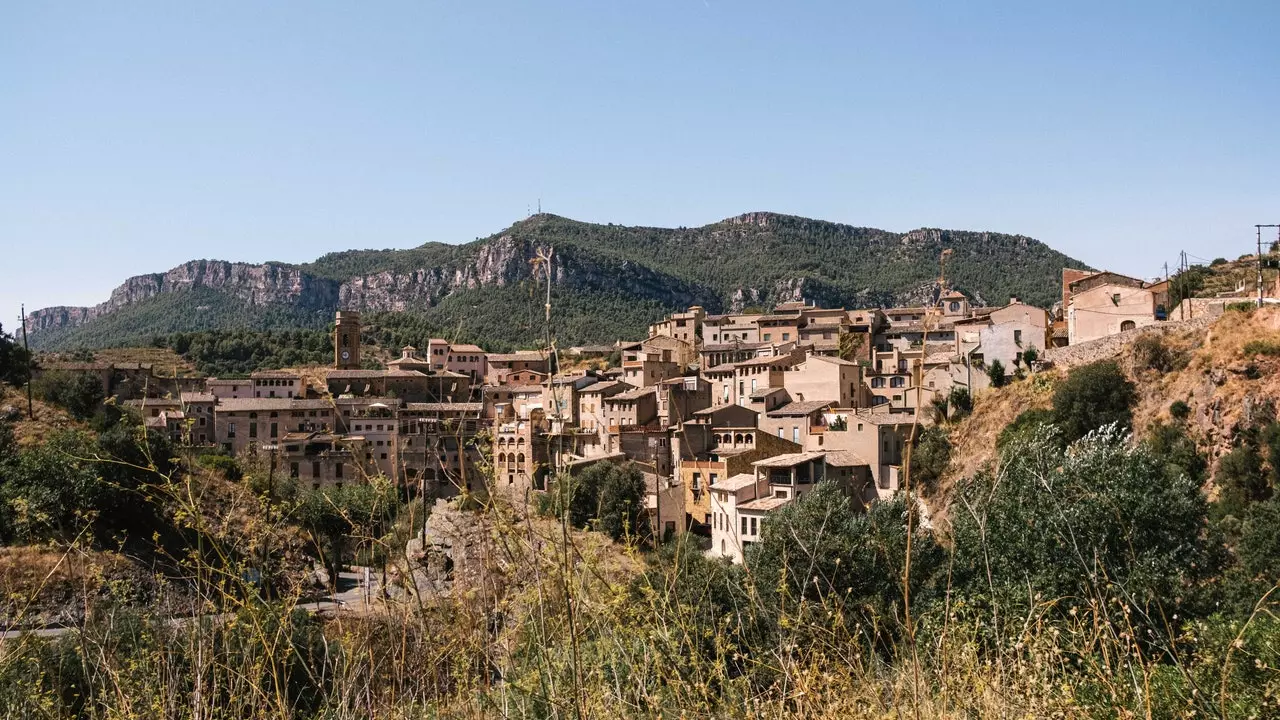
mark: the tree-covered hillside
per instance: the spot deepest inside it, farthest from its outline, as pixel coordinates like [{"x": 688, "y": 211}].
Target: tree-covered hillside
[{"x": 611, "y": 280}]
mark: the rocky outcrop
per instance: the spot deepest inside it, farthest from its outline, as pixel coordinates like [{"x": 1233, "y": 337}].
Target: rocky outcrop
[{"x": 270, "y": 283}]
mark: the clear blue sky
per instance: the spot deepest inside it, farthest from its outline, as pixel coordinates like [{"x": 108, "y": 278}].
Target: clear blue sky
[{"x": 135, "y": 135}]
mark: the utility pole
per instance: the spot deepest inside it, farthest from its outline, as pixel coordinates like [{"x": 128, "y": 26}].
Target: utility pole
[
  {"x": 31, "y": 413},
  {"x": 1259, "y": 229}
]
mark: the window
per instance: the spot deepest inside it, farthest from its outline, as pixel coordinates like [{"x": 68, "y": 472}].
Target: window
[
  {"x": 1115, "y": 298},
  {"x": 795, "y": 434},
  {"x": 231, "y": 430},
  {"x": 293, "y": 470},
  {"x": 753, "y": 526},
  {"x": 253, "y": 430},
  {"x": 897, "y": 381},
  {"x": 1017, "y": 338},
  {"x": 1127, "y": 325},
  {"x": 275, "y": 430},
  {"x": 766, "y": 337},
  {"x": 315, "y": 469},
  {"x": 877, "y": 382},
  {"x": 337, "y": 470},
  {"x": 786, "y": 337},
  {"x": 954, "y": 306},
  {"x": 779, "y": 432},
  {"x": 744, "y": 526}
]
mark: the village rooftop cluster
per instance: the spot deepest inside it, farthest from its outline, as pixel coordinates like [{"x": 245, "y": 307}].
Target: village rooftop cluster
[{"x": 729, "y": 416}]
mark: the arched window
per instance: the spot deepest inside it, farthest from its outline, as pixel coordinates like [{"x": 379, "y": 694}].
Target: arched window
[
  {"x": 1127, "y": 325},
  {"x": 897, "y": 382},
  {"x": 750, "y": 438},
  {"x": 520, "y": 443},
  {"x": 877, "y": 382},
  {"x": 737, "y": 439},
  {"x": 502, "y": 457},
  {"x": 520, "y": 459}
]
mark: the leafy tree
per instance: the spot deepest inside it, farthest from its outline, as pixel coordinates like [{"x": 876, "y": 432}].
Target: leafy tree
[
  {"x": 53, "y": 490},
  {"x": 1030, "y": 355},
  {"x": 341, "y": 518},
  {"x": 1028, "y": 422},
  {"x": 622, "y": 512},
  {"x": 1092, "y": 396},
  {"x": 961, "y": 402},
  {"x": 1178, "y": 450},
  {"x": 14, "y": 360},
  {"x": 80, "y": 394},
  {"x": 1102, "y": 521},
  {"x": 929, "y": 459},
  {"x": 1179, "y": 410},
  {"x": 822, "y": 550},
  {"x": 605, "y": 496},
  {"x": 995, "y": 372},
  {"x": 1241, "y": 480}
]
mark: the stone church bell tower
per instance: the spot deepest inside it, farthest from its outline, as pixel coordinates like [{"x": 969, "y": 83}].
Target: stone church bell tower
[{"x": 346, "y": 340}]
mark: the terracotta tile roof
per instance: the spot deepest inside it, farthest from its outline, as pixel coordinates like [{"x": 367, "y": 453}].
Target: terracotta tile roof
[
  {"x": 799, "y": 409},
  {"x": 631, "y": 394},
  {"x": 198, "y": 397},
  {"x": 254, "y": 404},
  {"x": 764, "y": 504},
  {"x": 734, "y": 483},
  {"x": 788, "y": 460}
]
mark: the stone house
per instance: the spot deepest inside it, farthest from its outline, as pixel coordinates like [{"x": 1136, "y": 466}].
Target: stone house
[
  {"x": 469, "y": 360},
  {"x": 820, "y": 377},
  {"x": 686, "y": 326},
  {"x": 1002, "y": 334},
  {"x": 796, "y": 420},
  {"x": 246, "y": 424},
  {"x": 437, "y": 450},
  {"x": 199, "y": 410},
  {"x": 642, "y": 368},
  {"x": 277, "y": 384},
  {"x": 230, "y": 388},
  {"x": 876, "y": 437},
  {"x": 1108, "y": 303},
  {"x": 321, "y": 459},
  {"x": 780, "y": 328},
  {"x": 496, "y": 363},
  {"x": 635, "y": 407},
  {"x": 679, "y": 398}
]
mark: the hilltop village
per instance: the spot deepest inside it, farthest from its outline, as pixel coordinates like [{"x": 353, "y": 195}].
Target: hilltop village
[{"x": 729, "y": 416}]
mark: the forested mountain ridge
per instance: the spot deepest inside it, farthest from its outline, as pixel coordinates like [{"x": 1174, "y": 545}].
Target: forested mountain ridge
[{"x": 611, "y": 280}]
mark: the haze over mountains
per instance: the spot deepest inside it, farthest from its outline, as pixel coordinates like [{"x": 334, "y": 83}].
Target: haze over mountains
[{"x": 611, "y": 280}]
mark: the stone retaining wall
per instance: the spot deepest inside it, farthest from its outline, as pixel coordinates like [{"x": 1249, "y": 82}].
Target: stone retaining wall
[{"x": 1109, "y": 347}]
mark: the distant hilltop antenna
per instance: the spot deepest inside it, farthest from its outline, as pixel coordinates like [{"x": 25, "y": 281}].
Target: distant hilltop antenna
[{"x": 539, "y": 206}]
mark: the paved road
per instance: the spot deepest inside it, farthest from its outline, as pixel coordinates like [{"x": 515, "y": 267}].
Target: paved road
[{"x": 352, "y": 596}]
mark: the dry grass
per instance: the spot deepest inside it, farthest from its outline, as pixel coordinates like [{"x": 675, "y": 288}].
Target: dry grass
[
  {"x": 165, "y": 360},
  {"x": 48, "y": 418}
]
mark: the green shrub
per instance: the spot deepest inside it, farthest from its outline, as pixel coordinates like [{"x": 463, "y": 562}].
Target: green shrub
[
  {"x": 80, "y": 394},
  {"x": 1151, "y": 353},
  {"x": 995, "y": 373},
  {"x": 1027, "y": 421},
  {"x": 1270, "y": 348},
  {"x": 1179, "y": 410},
  {"x": 224, "y": 464},
  {"x": 1244, "y": 307},
  {"x": 929, "y": 459},
  {"x": 1100, "y": 521},
  {"x": 1092, "y": 396}
]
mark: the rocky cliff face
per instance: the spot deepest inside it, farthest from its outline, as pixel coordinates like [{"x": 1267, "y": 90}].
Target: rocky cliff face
[
  {"x": 502, "y": 261},
  {"x": 254, "y": 284}
]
